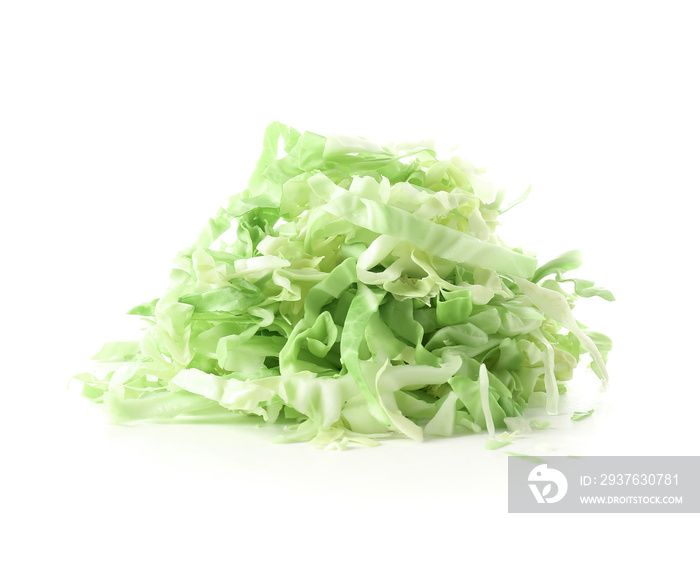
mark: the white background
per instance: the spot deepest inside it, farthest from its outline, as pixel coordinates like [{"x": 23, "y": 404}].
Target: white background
[{"x": 123, "y": 125}]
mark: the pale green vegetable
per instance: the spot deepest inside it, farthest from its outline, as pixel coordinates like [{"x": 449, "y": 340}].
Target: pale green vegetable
[
  {"x": 493, "y": 444},
  {"x": 581, "y": 415},
  {"x": 538, "y": 424},
  {"x": 353, "y": 292}
]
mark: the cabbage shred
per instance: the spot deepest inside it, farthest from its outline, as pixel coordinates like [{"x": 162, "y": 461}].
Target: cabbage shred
[{"x": 353, "y": 292}]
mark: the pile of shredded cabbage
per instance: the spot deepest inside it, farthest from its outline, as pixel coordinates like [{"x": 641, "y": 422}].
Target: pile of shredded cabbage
[{"x": 353, "y": 292}]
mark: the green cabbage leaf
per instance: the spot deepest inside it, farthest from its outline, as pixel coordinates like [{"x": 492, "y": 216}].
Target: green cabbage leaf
[{"x": 354, "y": 292}]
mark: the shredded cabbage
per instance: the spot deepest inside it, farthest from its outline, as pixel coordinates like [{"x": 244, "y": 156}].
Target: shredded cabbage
[
  {"x": 578, "y": 416},
  {"x": 352, "y": 292}
]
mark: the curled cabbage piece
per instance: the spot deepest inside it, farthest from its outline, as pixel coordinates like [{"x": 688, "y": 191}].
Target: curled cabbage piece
[{"x": 354, "y": 292}]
